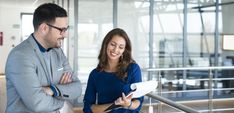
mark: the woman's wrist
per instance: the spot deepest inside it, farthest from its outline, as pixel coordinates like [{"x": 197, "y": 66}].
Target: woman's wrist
[{"x": 130, "y": 105}]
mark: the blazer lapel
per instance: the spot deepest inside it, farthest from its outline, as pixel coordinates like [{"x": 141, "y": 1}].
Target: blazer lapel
[
  {"x": 52, "y": 63},
  {"x": 41, "y": 58}
]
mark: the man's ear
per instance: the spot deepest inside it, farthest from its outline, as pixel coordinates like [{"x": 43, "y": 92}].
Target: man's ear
[{"x": 43, "y": 28}]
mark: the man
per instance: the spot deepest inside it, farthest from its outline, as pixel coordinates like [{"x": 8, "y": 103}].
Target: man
[{"x": 39, "y": 78}]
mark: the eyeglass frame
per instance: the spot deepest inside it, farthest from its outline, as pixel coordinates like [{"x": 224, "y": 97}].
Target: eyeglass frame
[{"x": 62, "y": 30}]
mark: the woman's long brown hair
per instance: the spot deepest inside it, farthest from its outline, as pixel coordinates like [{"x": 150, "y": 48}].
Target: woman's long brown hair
[{"x": 124, "y": 60}]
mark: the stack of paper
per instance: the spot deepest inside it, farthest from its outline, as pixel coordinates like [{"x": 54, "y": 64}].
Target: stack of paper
[
  {"x": 142, "y": 88},
  {"x": 139, "y": 89}
]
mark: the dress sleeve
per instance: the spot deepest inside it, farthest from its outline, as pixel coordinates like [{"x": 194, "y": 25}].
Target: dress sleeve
[
  {"x": 135, "y": 73},
  {"x": 90, "y": 93},
  {"x": 134, "y": 77}
]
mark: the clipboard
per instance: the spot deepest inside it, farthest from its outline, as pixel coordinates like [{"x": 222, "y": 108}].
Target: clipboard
[{"x": 113, "y": 106}]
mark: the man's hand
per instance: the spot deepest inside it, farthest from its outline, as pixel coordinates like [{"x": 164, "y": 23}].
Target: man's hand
[
  {"x": 66, "y": 78},
  {"x": 48, "y": 91}
]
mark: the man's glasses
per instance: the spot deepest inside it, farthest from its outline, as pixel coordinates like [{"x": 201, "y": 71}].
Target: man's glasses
[{"x": 62, "y": 30}]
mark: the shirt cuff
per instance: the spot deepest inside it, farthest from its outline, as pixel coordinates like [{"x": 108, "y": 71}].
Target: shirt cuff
[{"x": 55, "y": 90}]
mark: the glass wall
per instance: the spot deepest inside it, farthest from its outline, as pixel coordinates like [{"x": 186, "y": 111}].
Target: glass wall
[
  {"x": 179, "y": 39},
  {"x": 176, "y": 42},
  {"x": 133, "y": 17},
  {"x": 94, "y": 21}
]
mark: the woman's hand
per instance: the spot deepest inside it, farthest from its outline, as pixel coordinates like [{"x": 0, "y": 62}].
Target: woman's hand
[{"x": 124, "y": 101}]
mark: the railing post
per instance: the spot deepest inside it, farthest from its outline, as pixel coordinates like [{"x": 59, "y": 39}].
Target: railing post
[
  {"x": 159, "y": 91},
  {"x": 210, "y": 92},
  {"x": 151, "y": 108}
]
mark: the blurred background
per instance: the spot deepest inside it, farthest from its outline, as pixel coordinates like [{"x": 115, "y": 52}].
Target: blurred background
[{"x": 187, "y": 45}]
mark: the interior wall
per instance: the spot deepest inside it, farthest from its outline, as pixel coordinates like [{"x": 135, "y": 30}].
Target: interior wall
[{"x": 10, "y": 26}]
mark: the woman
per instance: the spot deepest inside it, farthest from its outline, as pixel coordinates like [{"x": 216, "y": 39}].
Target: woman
[{"x": 110, "y": 81}]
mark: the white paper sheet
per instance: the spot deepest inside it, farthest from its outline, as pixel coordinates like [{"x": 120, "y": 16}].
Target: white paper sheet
[{"x": 142, "y": 88}]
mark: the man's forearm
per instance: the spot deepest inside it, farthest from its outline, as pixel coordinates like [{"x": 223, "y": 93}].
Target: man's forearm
[{"x": 71, "y": 90}]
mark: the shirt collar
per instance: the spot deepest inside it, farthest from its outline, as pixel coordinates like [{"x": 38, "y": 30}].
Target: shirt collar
[{"x": 42, "y": 49}]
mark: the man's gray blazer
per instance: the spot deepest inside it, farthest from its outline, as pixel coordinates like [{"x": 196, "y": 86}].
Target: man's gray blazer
[{"x": 26, "y": 74}]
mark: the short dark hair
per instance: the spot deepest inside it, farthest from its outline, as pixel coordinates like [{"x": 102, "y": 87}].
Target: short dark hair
[{"x": 47, "y": 13}]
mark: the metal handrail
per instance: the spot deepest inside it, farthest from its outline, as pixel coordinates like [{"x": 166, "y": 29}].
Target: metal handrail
[
  {"x": 189, "y": 68},
  {"x": 171, "y": 103},
  {"x": 210, "y": 89}
]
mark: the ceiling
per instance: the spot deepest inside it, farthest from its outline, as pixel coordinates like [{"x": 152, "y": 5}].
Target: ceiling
[
  {"x": 159, "y": 2},
  {"x": 24, "y": 2},
  {"x": 37, "y": 2}
]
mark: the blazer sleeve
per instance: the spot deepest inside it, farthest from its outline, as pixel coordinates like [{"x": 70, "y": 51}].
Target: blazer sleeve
[
  {"x": 72, "y": 90},
  {"x": 21, "y": 73}
]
